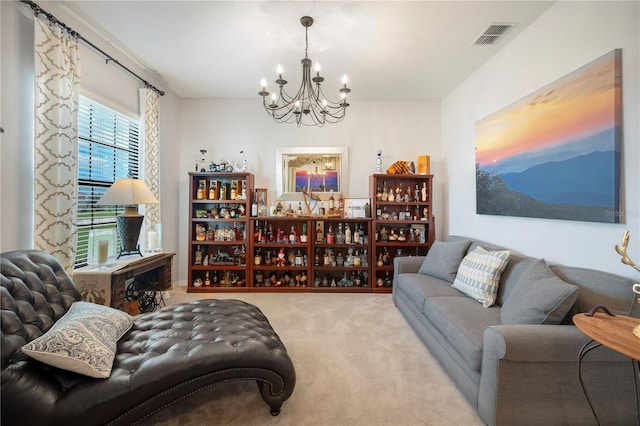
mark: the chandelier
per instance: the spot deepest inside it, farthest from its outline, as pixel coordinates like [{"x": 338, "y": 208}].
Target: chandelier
[{"x": 309, "y": 106}]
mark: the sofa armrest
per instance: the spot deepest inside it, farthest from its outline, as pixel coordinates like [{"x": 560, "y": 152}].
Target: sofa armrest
[
  {"x": 528, "y": 362},
  {"x": 407, "y": 264}
]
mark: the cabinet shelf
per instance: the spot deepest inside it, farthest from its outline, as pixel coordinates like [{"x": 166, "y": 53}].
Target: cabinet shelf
[
  {"x": 418, "y": 221},
  {"x": 219, "y": 243}
]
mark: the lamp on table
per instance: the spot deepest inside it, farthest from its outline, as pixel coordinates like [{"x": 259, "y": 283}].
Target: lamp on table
[{"x": 128, "y": 192}]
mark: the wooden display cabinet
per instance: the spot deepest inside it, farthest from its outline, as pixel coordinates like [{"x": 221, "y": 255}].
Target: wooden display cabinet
[
  {"x": 341, "y": 264},
  {"x": 280, "y": 249},
  {"x": 220, "y": 204},
  {"x": 402, "y": 222}
]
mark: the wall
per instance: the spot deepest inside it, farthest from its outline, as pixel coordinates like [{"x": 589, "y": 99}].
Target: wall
[
  {"x": 401, "y": 129},
  {"x": 106, "y": 83},
  {"x": 566, "y": 37}
]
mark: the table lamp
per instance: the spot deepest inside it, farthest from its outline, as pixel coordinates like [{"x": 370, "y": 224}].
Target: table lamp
[{"x": 128, "y": 192}]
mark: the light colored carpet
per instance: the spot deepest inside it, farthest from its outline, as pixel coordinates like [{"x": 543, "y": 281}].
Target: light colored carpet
[{"x": 357, "y": 362}]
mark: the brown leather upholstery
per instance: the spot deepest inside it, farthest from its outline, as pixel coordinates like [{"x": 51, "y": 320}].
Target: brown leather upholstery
[{"x": 167, "y": 354}]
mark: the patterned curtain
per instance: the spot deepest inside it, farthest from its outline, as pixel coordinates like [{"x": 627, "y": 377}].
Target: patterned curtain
[
  {"x": 149, "y": 103},
  {"x": 57, "y": 89}
]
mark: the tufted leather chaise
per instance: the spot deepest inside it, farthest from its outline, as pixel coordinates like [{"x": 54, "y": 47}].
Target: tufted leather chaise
[{"x": 166, "y": 355}]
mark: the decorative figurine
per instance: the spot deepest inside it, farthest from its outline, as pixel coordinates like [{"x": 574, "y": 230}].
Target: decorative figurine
[
  {"x": 280, "y": 261},
  {"x": 244, "y": 164},
  {"x": 379, "y": 162}
]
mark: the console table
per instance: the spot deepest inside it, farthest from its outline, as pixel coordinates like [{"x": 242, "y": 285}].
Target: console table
[
  {"x": 107, "y": 286},
  {"x": 616, "y": 333}
]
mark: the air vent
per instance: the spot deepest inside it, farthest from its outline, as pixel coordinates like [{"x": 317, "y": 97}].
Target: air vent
[{"x": 493, "y": 33}]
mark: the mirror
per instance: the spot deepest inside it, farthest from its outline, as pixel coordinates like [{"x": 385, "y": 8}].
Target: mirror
[{"x": 314, "y": 169}]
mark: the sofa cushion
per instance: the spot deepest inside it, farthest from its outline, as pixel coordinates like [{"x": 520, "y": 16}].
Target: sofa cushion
[
  {"x": 83, "y": 341},
  {"x": 479, "y": 274},
  {"x": 443, "y": 259},
  {"x": 540, "y": 297},
  {"x": 417, "y": 287},
  {"x": 462, "y": 322}
]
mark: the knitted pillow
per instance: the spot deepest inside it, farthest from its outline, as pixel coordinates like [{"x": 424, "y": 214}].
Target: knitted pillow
[{"x": 479, "y": 274}]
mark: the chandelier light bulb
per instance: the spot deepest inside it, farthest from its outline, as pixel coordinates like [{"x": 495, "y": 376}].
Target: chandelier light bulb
[
  {"x": 263, "y": 83},
  {"x": 324, "y": 103},
  {"x": 279, "y": 70},
  {"x": 317, "y": 69},
  {"x": 345, "y": 80}
]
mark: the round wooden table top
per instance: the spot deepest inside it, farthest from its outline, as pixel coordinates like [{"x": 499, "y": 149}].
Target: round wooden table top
[{"x": 616, "y": 332}]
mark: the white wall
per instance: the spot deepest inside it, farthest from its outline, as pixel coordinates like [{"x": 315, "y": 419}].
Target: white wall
[
  {"x": 402, "y": 130},
  {"x": 107, "y": 83},
  {"x": 566, "y": 37}
]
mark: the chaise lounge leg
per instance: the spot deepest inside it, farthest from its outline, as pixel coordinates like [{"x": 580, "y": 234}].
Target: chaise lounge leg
[{"x": 275, "y": 411}]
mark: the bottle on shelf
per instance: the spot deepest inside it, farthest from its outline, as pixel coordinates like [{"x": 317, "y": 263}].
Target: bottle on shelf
[
  {"x": 330, "y": 236},
  {"x": 332, "y": 201},
  {"x": 198, "y": 256},
  {"x": 319, "y": 233},
  {"x": 292, "y": 235},
  {"x": 384, "y": 196},
  {"x": 424, "y": 192},
  {"x": 339, "y": 238},
  {"x": 207, "y": 280},
  {"x": 299, "y": 259},
  {"x": 316, "y": 257},
  {"x": 303, "y": 234},
  {"x": 200, "y": 193},
  {"x": 347, "y": 234},
  {"x": 391, "y": 197},
  {"x": 356, "y": 234},
  {"x": 254, "y": 208}
]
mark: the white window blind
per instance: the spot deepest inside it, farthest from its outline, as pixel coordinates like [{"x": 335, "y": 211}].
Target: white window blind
[{"x": 108, "y": 147}]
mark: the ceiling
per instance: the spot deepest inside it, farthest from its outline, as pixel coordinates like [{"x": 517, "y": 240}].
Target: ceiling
[{"x": 389, "y": 50}]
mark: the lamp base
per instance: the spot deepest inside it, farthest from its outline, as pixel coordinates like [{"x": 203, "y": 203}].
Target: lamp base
[{"x": 129, "y": 231}]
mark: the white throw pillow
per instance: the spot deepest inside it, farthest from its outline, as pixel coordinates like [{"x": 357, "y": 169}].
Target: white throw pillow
[
  {"x": 479, "y": 274},
  {"x": 84, "y": 340}
]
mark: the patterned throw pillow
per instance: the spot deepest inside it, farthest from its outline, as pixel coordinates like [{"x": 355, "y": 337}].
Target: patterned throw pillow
[
  {"x": 479, "y": 274},
  {"x": 84, "y": 340}
]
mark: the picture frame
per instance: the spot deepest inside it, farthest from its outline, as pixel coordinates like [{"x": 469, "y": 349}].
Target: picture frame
[
  {"x": 355, "y": 208},
  {"x": 261, "y": 196},
  {"x": 420, "y": 231}
]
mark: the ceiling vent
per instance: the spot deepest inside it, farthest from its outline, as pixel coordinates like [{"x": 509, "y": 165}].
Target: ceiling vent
[{"x": 493, "y": 33}]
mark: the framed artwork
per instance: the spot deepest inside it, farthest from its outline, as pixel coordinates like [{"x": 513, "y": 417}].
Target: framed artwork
[
  {"x": 311, "y": 169},
  {"x": 261, "y": 196},
  {"x": 555, "y": 154},
  {"x": 355, "y": 208}
]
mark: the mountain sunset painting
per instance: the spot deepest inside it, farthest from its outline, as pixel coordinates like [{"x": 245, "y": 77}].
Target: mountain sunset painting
[{"x": 555, "y": 154}]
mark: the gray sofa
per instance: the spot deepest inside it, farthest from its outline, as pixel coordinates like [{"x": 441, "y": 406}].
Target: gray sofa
[{"x": 521, "y": 374}]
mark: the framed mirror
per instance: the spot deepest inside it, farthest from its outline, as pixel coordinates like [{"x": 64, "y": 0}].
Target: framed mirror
[{"x": 311, "y": 169}]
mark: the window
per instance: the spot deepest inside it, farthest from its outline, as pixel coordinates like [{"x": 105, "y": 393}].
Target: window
[{"x": 108, "y": 149}]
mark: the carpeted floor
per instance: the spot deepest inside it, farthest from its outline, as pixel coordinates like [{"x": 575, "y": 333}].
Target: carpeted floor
[{"x": 357, "y": 363}]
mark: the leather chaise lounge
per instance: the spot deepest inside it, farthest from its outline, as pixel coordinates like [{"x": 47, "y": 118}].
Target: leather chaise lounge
[{"x": 165, "y": 356}]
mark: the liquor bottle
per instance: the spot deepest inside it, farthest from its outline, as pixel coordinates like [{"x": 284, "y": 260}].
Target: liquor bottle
[
  {"x": 233, "y": 194},
  {"x": 291, "y": 257},
  {"x": 254, "y": 208},
  {"x": 391, "y": 197},
  {"x": 279, "y": 208},
  {"x": 378, "y": 193},
  {"x": 270, "y": 236},
  {"x": 399, "y": 197},
  {"x": 356, "y": 260},
  {"x": 416, "y": 194},
  {"x": 292, "y": 236},
  {"x": 319, "y": 233},
  {"x": 316, "y": 257},
  {"x": 257, "y": 259},
  {"x": 289, "y": 210},
  {"x": 298, "y": 259},
  {"x": 215, "y": 277},
  {"x": 303, "y": 235},
  {"x": 200, "y": 192},
  {"x": 424, "y": 191},
  {"x": 212, "y": 190},
  {"x": 356, "y": 234},
  {"x": 332, "y": 201},
  {"x": 198, "y": 256},
  {"x": 347, "y": 234},
  {"x": 223, "y": 192},
  {"x": 330, "y": 239},
  {"x": 299, "y": 211},
  {"x": 207, "y": 280},
  {"x": 384, "y": 196},
  {"x": 387, "y": 280},
  {"x": 326, "y": 259},
  {"x": 341, "y": 203},
  {"x": 407, "y": 195},
  {"x": 339, "y": 235}
]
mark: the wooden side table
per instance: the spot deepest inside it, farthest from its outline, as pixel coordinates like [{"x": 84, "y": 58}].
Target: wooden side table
[
  {"x": 615, "y": 333},
  {"x": 108, "y": 285}
]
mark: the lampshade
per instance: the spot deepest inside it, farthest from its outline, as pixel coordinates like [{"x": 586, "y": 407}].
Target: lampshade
[{"x": 128, "y": 192}]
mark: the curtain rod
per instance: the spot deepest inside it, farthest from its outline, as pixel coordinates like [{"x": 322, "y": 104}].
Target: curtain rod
[{"x": 37, "y": 9}]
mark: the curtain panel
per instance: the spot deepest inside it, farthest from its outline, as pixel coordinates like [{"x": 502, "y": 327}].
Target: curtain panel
[
  {"x": 57, "y": 90},
  {"x": 149, "y": 103}
]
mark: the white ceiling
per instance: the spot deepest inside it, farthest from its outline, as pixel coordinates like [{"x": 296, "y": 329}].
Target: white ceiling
[{"x": 222, "y": 49}]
